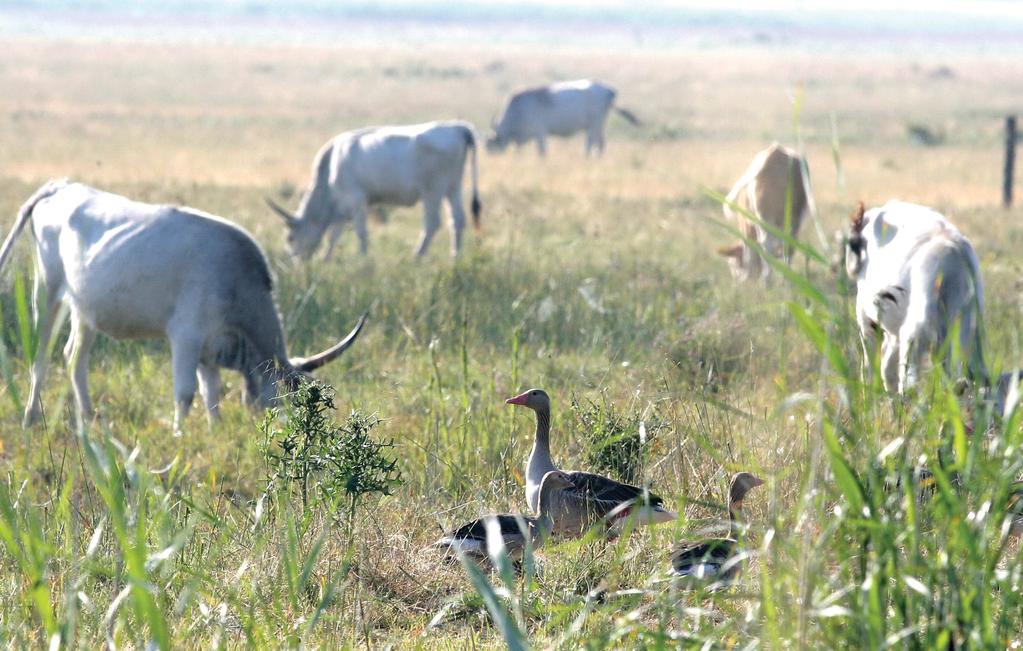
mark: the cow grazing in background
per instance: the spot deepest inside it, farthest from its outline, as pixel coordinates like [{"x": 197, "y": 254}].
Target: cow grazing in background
[
  {"x": 916, "y": 277},
  {"x": 136, "y": 270},
  {"x": 775, "y": 191},
  {"x": 560, "y": 109},
  {"x": 385, "y": 165}
]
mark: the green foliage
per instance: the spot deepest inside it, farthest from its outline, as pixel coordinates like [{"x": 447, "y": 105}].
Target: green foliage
[
  {"x": 593, "y": 278},
  {"x": 612, "y": 440},
  {"x": 26, "y": 330},
  {"x": 303, "y": 447},
  {"x": 501, "y": 612},
  {"x": 27, "y": 546}
]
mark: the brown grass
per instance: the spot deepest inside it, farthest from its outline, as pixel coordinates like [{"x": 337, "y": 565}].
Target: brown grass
[{"x": 218, "y": 127}]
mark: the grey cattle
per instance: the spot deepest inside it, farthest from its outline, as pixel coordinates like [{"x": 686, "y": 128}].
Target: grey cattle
[
  {"x": 385, "y": 165},
  {"x": 916, "y": 277},
  {"x": 136, "y": 270},
  {"x": 560, "y": 109}
]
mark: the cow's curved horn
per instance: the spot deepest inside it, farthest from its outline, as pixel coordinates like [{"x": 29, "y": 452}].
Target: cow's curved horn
[
  {"x": 309, "y": 364},
  {"x": 288, "y": 218}
]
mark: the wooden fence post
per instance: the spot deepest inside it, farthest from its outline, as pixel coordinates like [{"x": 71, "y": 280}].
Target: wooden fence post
[{"x": 1010, "y": 160}]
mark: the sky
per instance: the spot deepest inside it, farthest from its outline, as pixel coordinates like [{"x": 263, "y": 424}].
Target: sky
[
  {"x": 991, "y": 7},
  {"x": 994, "y": 26}
]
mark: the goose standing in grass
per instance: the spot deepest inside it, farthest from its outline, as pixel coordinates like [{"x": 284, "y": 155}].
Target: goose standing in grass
[
  {"x": 593, "y": 498},
  {"x": 717, "y": 559},
  {"x": 471, "y": 539}
]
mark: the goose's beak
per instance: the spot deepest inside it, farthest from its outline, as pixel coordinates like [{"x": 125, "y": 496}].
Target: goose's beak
[{"x": 518, "y": 400}]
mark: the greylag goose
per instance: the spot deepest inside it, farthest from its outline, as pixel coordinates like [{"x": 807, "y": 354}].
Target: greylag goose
[
  {"x": 716, "y": 559},
  {"x": 471, "y": 539},
  {"x": 593, "y": 498}
]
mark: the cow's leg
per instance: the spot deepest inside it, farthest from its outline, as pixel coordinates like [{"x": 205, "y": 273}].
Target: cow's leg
[
  {"x": 753, "y": 263},
  {"x": 185, "y": 365},
  {"x": 595, "y": 140},
  {"x": 359, "y": 216},
  {"x": 333, "y": 233},
  {"x": 81, "y": 340},
  {"x": 45, "y": 316},
  {"x": 69, "y": 345},
  {"x": 431, "y": 222},
  {"x": 457, "y": 211},
  {"x": 764, "y": 266},
  {"x": 209, "y": 389},
  {"x": 890, "y": 363},
  {"x": 541, "y": 146},
  {"x": 771, "y": 246},
  {"x": 868, "y": 343},
  {"x": 914, "y": 345},
  {"x": 906, "y": 370}
]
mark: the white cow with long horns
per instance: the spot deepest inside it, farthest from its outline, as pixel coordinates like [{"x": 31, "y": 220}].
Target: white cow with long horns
[
  {"x": 385, "y": 165},
  {"x": 136, "y": 270}
]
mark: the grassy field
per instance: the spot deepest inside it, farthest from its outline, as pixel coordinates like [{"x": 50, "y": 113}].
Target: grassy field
[{"x": 594, "y": 279}]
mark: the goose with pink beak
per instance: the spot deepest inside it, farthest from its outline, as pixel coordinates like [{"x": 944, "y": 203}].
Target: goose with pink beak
[{"x": 592, "y": 499}]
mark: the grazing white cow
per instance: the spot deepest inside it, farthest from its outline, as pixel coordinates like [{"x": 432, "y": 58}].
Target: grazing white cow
[
  {"x": 385, "y": 165},
  {"x": 135, "y": 270},
  {"x": 561, "y": 109},
  {"x": 773, "y": 190},
  {"x": 916, "y": 277}
]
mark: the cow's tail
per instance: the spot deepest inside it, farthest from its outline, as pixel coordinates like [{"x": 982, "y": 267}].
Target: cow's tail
[
  {"x": 24, "y": 214},
  {"x": 477, "y": 207},
  {"x": 629, "y": 116}
]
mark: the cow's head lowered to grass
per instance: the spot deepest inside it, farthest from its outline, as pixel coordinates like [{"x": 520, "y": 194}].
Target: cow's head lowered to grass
[
  {"x": 392, "y": 165},
  {"x": 136, "y": 270},
  {"x": 316, "y": 210}
]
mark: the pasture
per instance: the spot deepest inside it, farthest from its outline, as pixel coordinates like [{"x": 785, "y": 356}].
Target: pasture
[{"x": 593, "y": 279}]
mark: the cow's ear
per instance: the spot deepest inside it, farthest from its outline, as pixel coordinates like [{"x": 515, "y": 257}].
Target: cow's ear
[{"x": 733, "y": 251}]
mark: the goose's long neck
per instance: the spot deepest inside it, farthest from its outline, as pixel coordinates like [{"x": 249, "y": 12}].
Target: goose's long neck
[
  {"x": 545, "y": 522},
  {"x": 540, "y": 457},
  {"x": 736, "y": 518},
  {"x": 546, "y": 502}
]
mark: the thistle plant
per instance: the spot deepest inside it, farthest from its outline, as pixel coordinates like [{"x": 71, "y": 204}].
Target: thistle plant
[{"x": 304, "y": 448}]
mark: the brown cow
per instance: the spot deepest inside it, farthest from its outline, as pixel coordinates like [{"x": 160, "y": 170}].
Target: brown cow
[{"x": 774, "y": 191}]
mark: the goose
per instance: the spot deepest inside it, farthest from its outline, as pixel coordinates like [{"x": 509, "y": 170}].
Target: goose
[
  {"x": 593, "y": 498},
  {"x": 717, "y": 558},
  {"x": 471, "y": 539}
]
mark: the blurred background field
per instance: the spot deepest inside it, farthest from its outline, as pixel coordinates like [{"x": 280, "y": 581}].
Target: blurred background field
[{"x": 594, "y": 279}]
